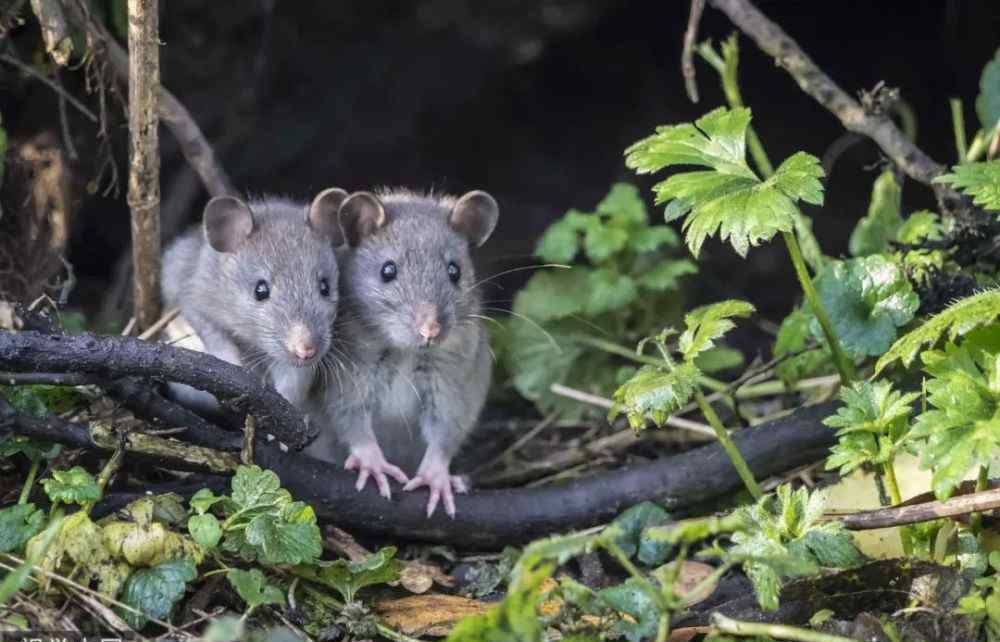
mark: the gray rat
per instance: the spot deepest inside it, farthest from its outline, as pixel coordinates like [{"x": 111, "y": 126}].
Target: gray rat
[
  {"x": 417, "y": 357},
  {"x": 258, "y": 283}
]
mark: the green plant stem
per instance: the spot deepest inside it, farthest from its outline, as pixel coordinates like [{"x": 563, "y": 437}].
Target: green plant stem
[
  {"x": 739, "y": 463},
  {"x": 30, "y": 481},
  {"x": 896, "y": 498},
  {"x": 622, "y": 559},
  {"x": 980, "y": 144},
  {"x": 958, "y": 123},
  {"x": 777, "y": 631},
  {"x": 844, "y": 366},
  {"x": 982, "y": 483}
]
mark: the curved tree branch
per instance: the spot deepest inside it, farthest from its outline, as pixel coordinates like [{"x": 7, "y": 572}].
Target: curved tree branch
[
  {"x": 773, "y": 40},
  {"x": 114, "y": 357}
]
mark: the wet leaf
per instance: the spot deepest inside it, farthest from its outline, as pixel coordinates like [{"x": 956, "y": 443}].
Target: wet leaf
[
  {"x": 627, "y": 528},
  {"x": 205, "y": 530},
  {"x": 154, "y": 591},
  {"x": 18, "y": 524},
  {"x": 253, "y": 587},
  {"x": 73, "y": 486}
]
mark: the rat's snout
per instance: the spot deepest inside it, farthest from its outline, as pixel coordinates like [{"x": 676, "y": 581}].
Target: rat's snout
[
  {"x": 301, "y": 343},
  {"x": 428, "y": 322}
]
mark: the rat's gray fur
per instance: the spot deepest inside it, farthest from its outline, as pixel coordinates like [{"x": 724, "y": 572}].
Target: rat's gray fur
[
  {"x": 416, "y": 400},
  {"x": 215, "y": 291}
]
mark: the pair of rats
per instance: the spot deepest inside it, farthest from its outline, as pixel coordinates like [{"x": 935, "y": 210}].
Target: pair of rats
[{"x": 361, "y": 309}]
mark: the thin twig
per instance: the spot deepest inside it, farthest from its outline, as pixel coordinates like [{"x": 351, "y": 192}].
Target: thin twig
[
  {"x": 150, "y": 333},
  {"x": 885, "y": 517},
  {"x": 773, "y": 40},
  {"x": 687, "y": 55},
  {"x": 48, "y": 82},
  {"x": 604, "y": 402}
]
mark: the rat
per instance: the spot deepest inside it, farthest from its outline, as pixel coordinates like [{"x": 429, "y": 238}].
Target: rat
[
  {"x": 258, "y": 283},
  {"x": 417, "y": 357}
]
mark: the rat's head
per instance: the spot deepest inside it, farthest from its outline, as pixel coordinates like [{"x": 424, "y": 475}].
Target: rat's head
[
  {"x": 279, "y": 273},
  {"x": 409, "y": 273}
]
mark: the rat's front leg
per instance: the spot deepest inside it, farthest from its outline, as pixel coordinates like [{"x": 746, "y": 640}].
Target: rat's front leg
[
  {"x": 434, "y": 473},
  {"x": 366, "y": 455}
]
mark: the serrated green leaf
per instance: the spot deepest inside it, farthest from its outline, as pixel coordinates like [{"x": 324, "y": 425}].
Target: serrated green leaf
[
  {"x": 871, "y": 426},
  {"x": 73, "y": 486},
  {"x": 253, "y": 487},
  {"x": 539, "y": 356},
  {"x": 727, "y": 199},
  {"x": 867, "y": 299},
  {"x": 601, "y": 241},
  {"x": 203, "y": 500},
  {"x": 623, "y": 206},
  {"x": 626, "y": 530},
  {"x": 653, "y": 394},
  {"x": 667, "y": 274},
  {"x": 980, "y": 180},
  {"x": 873, "y": 232},
  {"x": 561, "y": 240},
  {"x": 650, "y": 238},
  {"x": 833, "y": 546},
  {"x": 607, "y": 290},
  {"x": 154, "y": 591},
  {"x": 282, "y": 542},
  {"x": 348, "y": 578},
  {"x": 920, "y": 227},
  {"x": 708, "y": 323},
  {"x": 988, "y": 101},
  {"x": 958, "y": 319},
  {"x": 516, "y": 618},
  {"x": 206, "y": 530},
  {"x": 18, "y": 524},
  {"x": 553, "y": 294},
  {"x": 794, "y": 338},
  {"x": 253, "y": 587},
  {"x": 630, "y": 598}
]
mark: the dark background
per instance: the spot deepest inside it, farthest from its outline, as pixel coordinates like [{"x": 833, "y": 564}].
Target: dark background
[{"x": 532, "y": 101}]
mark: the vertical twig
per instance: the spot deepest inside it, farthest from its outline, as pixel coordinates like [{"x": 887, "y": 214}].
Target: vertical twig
[
  {"x": 687, "y": 55},
  {"x": 144, "y": 156}
]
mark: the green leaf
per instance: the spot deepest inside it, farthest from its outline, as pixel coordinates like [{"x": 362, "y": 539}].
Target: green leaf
[
  {"x": 279, "y": 540},
  {"x": 650, "y": 238},
  {"x": 867, "y": 299},
  {"x": 988, "y": 101},
  {"x": 920, "y": 227},
  {"x": 794, "y": 337},
  {"x": 253, "y": 487},
  {"x": 30, "y": 448},
  {"x": 561, "y": 241},
  {"x": 516, "y": 618},
  {"x": 708, "y": 323},
  {"x": 558, "y": 549},
  {"x": 728, "y": 199},
  {"x": 254, "y": 588},
  {"x": 628, "y": 527},
  {"x": 350, "y": 577},
  {"x": 980, "y": 180},
  {"x": 601, "y": 241},
  {"x": 654, "y": 394},
  {"x": 873, "y": 232},
  {"x": 227, "y": 628},
  {"x": 205, "y": 530},
  {"x": 554, "y": 293},
  {"x": 73, "y": 486},
  {"x": 43, "y": 400},
  {"x": 154, "y": 591},
  {"x": 18, "y": 524},
  {"x": 608, "y": 290},
  {"x": 871, "y": 425},
  {"x": 630, "y": 598},
  {"x": 203, "y": 500},
  {"x": 667, "y": 274},
  {"x": 719, "y": 358},
  {"x": 960, "y": 318},
  {"x": 623, "y": 206},
  {"x": 833, "y": 546}
]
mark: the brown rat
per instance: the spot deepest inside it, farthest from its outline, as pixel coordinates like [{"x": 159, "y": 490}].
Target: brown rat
[
  {"x": 258, "y": 283},
  {"x": 417, "y": 358}
]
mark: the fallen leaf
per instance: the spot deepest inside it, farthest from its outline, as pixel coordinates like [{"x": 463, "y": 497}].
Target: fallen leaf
[
  {"x": 691, "y": 575},
  {"x": 431, "y": 614},
  {"x": 419, "y": 577},
  {"x": 688, "y": 633}
]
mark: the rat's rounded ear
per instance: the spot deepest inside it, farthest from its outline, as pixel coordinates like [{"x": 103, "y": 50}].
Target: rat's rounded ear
[
  {"x": 228, "y": 222},
  {"x": 474, "y": 216},
  {"x": 360, "y": 216},
  {"x": 322, "y": 214}
]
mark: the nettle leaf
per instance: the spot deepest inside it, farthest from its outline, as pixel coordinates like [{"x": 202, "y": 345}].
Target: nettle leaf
[
  {"x": 350, "y": 577},
  {"x": 254, "y": 487},
  {"x": 988, "y": 101},
  {"x": 708, "y": 323},
  {"x": 920, "y": 227},
  {"x": 18, "y": 524},
  {"x": 608, "y": 290},
  {"x": 561, "y": 241},
  {"x": 554, "y": 293},
  {"x": 867, "y": 299},
  {"x": 627, "y": 528},
  {"x": 654, "y": 394},
  {"x": 728, "y": 199},
  {"x": 871, "y": 425},
  {"x": 795, "y": 337},
  {"x": 73, "y": 486},
  {"x": 289, "y": 538},
  {"x": 873, "y": 232},
  {"x": 630, "y": 598},
  {"x": 154, "y": 591},
  {"x": 958, "y": 319},
  {"x": 980, "y": 180},
  {"x": 962, "y": 427},
  {"x": 253, "y": 587}
]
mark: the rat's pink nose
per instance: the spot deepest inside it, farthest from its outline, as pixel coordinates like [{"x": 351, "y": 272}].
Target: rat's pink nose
[
  {"x": 305, "y": 350},
  {"x": 430, "y": 329}
]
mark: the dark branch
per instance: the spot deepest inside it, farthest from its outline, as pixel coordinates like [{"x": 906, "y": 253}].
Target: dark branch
[{"x": 115, "y": 357}]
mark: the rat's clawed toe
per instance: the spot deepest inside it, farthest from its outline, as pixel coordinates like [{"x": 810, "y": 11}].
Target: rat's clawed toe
[
  {"x": 371, "y": 463},
  {"x": 442, "y": 486}
]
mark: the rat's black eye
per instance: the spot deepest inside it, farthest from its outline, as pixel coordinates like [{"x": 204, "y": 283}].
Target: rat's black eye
[
  {"x": 388, "y": 271},
  {"x": 324, "y": 287},
  {"x": 454, "y": 272},
  {"x": 262, "y": 291}
]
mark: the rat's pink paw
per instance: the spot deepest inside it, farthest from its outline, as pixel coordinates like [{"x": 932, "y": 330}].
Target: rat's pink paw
[
  {"x": 370, "y": 462},
  {"x": 441, "y": 484}
]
